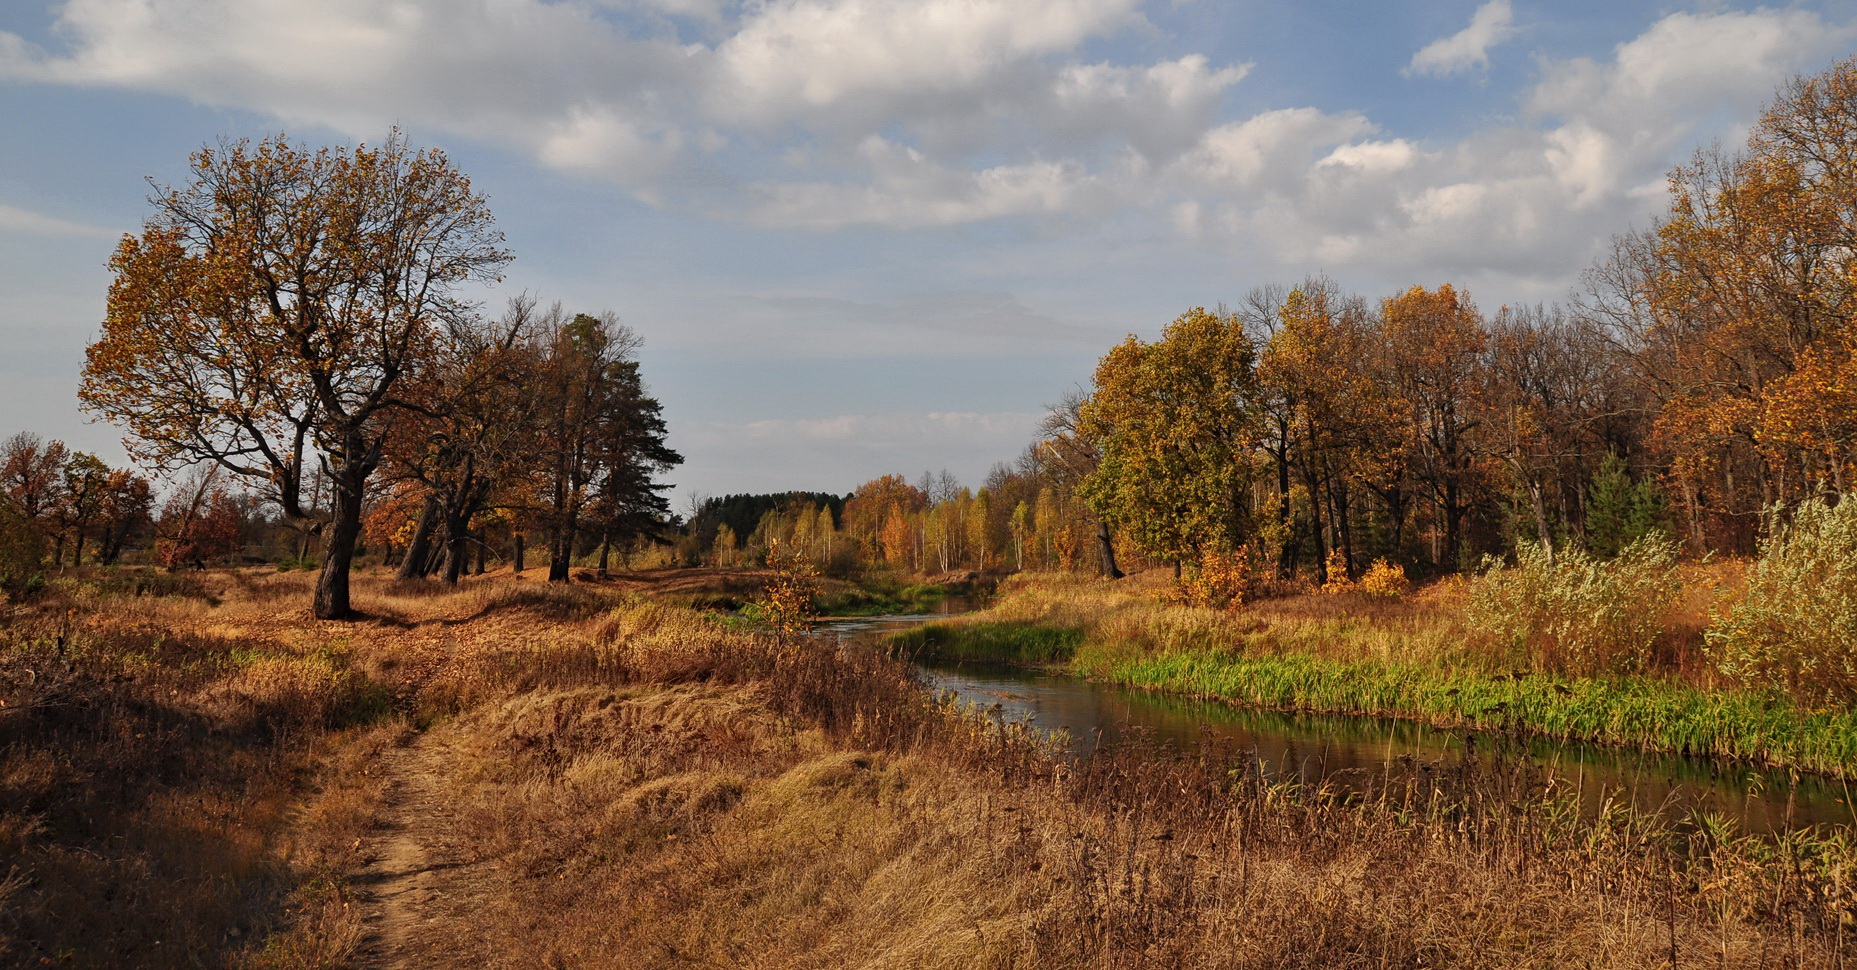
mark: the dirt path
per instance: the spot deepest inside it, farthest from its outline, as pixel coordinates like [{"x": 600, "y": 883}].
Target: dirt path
[{"x": 413, "y": 867}]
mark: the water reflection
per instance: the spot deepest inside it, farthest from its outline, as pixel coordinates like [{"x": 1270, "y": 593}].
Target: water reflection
[{"x": 1347, "y": 751}]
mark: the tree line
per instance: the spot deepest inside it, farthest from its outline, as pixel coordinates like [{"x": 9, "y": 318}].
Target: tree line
[
  {"x": 1706, "y": 376},
  {"x": 1703, "y": 379},
  {"x": 298, "y": 319}
]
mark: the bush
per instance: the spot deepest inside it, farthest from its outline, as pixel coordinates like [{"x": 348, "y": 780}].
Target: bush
[
  {"x": 1384, "y": 580},
  {"x": 1221, "y": 580},
  {"x": 22, "y": 551},
  {"x": 1577, "y": 613},
  {"x": 1796, "y": 629}
]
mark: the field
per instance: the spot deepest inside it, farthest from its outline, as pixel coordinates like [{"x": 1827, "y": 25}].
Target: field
[{"x": 512, "y": 774}]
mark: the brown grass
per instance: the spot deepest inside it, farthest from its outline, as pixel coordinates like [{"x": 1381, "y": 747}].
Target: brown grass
[{"x": 187, "y": 780}]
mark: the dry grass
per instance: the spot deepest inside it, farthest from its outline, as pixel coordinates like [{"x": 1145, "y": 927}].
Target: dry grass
[
  {"x": 733, "y": 822},
  {"x": 641, "y": 786}
]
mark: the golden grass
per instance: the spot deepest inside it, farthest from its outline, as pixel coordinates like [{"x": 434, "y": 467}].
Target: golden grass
[{"x": 635, "y": 785}]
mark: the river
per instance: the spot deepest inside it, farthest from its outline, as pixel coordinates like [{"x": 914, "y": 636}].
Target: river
[{"x": 1348, "y": 752}]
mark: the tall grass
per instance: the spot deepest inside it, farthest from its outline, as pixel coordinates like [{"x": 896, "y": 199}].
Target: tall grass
[
  {"x": 731, "y": 803},
  {"x": 1576, "y": 613},
  {"x": 632, "y": 784}
]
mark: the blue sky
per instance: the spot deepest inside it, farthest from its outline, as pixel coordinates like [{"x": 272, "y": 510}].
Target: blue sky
[{"x": 861, "y": 236}]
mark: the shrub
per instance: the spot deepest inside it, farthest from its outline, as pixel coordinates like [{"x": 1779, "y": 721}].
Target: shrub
[
  {"x": 22, "y": 551},
  {"x": 1219, "y": 581},
  {"x": 1797, "y": 627},
  {"x": 1577, "y": 613},
  {"x": 1384, "y": 580},
  {"x": 1338, "y": 580}
]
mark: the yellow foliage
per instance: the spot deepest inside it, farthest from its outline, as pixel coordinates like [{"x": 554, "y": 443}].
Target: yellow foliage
[
  {"x": 1385, "y": 580},
  {"x": 1222, "y": 580},
  {"x": 1338, "y": 581}
]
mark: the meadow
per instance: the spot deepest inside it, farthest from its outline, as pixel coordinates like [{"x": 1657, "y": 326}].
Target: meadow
[{"x": 195, "y": 773}]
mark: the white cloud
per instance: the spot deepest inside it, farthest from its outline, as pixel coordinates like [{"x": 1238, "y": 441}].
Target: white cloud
[
  {"x": 1272, "y": 148},
  {"x": 1527, "y": 201},
  {"x": 935, "y": 113},
  {"x": 1493, "y": 23},
  {"x": 977, "y": 109},
  {"x": 793, "y": 59},
  {"x": 26, "y": 222},
  {"x": 902, "y": 188}
]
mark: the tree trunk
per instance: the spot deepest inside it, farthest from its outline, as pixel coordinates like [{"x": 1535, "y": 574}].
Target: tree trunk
[
  {"x": 1453, "y": 527},
  {"x": 1286, "y": 556},
  {"x": 1107, "y": 543},
  {"x": 458, "y": 547},
  {"x": 413, "y": 564},
  {"x": 561, "y": 552},
  {"x": 518, "y": 563},
  {"x": 332, "y": 586},
  {"x": 1343, "y": 503},
  {"x": 1541, "y": 519},
  {"x": 606, "y": 549},
  {"x": 1313, "y": 486}
]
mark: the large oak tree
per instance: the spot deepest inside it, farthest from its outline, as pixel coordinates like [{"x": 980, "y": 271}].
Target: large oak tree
[{"x": 275, "y": 309}]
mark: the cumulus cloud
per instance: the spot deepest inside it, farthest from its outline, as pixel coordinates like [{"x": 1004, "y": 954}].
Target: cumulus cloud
[
  {"x": 1525, "y": 200},
  {"x": 1493, "y": 23},
  {"x": 935, "y": 113},
  {"x": 866, "y": 111}
]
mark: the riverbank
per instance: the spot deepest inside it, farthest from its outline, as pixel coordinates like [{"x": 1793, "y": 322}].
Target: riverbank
[{"x": 1346, "y": 654}]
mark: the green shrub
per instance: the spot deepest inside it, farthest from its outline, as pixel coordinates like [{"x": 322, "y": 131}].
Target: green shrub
[
  {"x": 1578, "y": 613},
  {"x": 22, "y": 551},
  {"x": 1796, "y": 629}
]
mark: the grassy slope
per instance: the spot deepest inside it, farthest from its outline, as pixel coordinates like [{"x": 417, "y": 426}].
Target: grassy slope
[{"x": 1352, "y": 656}]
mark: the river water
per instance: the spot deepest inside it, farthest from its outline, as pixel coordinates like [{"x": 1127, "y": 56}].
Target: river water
[{"x": 1350, "y": 752}]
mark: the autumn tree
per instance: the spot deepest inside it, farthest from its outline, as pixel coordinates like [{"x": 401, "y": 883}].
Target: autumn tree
[
  {"x": 474, "y": 432},
  {"x": 1327, "y": 406},
  {"x": 22, "y": 548},
  {"x": 124, "y": 509},
  {"x": 1436, "y": 342},
  {"x": 1175, "y": 422},
  {"x": 602, "y": 436},
  {"x": 32, "y": 474},
  {"x": 877, "y": 518},
  {"x": 200, "y": 521},
  {"x": 1072, "y": 458},
  {"x": 80, "y": 504},
  {"x": 275, "y": 308},
  {"x": 1735, "y": 312}
]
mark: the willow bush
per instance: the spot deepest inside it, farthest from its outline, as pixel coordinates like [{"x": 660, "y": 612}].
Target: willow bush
[
  {"x": 1796, "y": 629},
  {"x": 1576, "y": 613}
]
